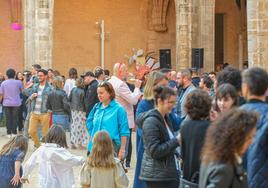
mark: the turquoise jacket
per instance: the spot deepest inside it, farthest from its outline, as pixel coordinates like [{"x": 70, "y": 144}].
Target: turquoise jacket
[{"x": 112, "y": 119}]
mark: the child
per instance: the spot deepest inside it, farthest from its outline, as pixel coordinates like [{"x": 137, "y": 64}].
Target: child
[
  {"x": 11, "y": 157},
  {"x": 55, "y": 161},
  {"x": 101, "y": 169}
]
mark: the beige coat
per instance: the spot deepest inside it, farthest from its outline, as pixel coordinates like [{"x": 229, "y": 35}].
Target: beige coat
[
  {"x": 126, "y": 98},
  {"x": 104, "y": 178}
]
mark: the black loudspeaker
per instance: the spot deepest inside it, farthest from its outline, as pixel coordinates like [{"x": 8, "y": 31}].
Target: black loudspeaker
[
  {"x": 198, "y": 58},
  {"x": 165, "y": 58}
]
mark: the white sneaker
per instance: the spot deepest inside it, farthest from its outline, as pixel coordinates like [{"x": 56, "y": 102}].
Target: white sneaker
[
  {"x": 13, "y": 135},
  {"x": 8, "y": 136}
]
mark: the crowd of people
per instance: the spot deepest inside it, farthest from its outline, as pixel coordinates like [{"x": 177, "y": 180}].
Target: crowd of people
[{"x": 192, "y": 129}]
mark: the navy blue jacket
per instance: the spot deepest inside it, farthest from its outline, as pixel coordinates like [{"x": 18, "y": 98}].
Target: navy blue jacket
[{"x": 257, "y": 155}]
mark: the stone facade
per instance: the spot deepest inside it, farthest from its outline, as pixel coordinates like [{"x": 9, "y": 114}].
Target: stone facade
[
  {"x": 257, "y": 11},
  {"x": 38, "y": 32}
]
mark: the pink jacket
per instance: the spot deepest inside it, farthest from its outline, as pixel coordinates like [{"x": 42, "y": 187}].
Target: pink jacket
[{"x": 126, "y": 98}]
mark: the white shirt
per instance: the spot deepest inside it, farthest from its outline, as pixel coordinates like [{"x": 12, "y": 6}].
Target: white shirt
[
  {"x": 55, "y": 166},
  {"x": 126, "y": 98},
  {"x": 69, "y": 85}
]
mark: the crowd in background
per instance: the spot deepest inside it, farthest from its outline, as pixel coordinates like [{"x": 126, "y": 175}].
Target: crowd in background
[{"x": 193, "y": 129}]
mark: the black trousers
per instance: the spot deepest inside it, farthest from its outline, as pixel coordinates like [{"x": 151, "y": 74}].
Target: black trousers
[
  {"x": 162, "y": 184},
  {"x": 20, "y": 118},
  {"x": 129, "y": 152},
  {"x": 11, "y": 114}
]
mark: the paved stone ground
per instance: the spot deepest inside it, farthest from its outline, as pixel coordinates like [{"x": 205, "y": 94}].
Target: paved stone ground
[{"x": 34, "y": 176}]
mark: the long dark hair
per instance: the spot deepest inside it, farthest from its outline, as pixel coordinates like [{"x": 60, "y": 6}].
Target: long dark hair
[
  {"x": 227, "y": 135},
  {"x": 56, "y": 135}
]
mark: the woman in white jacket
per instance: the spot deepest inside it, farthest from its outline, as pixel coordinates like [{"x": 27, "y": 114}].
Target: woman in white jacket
[{"x": 55, "y": 162}]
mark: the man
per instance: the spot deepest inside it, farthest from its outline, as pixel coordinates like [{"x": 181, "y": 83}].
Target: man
[
  {"x": 91, "y": 97},
  {"x": 34, "y": 79},
  {"x": 195, "y": 77},
  {"x": 254, "y": 86},
  {"x": 206, "y": 84},
  {"x": 10, "y": 90},
  {"x": 125, "y": 97},
  {"x": 99, "y": 75},
  {"x": 38, "y": 95},
  {"x": 184, "y": 79}
]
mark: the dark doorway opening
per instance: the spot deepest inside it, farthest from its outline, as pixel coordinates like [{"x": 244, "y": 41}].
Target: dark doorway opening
[{"x": 219, "y": 39}]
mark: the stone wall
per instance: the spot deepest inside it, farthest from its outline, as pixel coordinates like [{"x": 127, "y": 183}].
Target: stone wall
[
  {"x": 11, "y": 41},
  {"x": 77, "y": 44},
  {"x": 258, "y": 33}
]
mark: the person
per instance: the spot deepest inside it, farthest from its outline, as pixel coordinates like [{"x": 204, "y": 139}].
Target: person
[
  {"x": 58, "y": 104},
  {"x": 22, "y": 109},
  {"x": 159, "y": 167},
  {"x": 109, "y": 115},
  {"x": 254, "y": 86},
  {"x": 54, "y": 160},
  {"x": 193, "y": 132},
  {"x": 50, "y": 76},
  {"x": 101, "y": 169},
  {"x": 155, "y": 79},
  {"x": 173, "y": 80},
  {"x": 232, "y": 76},
  {"x": 206, "y": 84},
  {"x": 125, "y": 97},
  {"x": 91, "y": 97},
  {"x": 226, "y": 142},
  {"x": 195, "y": 77},
  {"x": 79, "y": 134},
  {"x": 70, "y": 82},
  {"x": 106, "y": 74},
  {"x": 38, "y": 95},
  {"x": 99, "y": 74},
  {"x": 10, "y": 91},
  {"x": 11, "y": 156},
  {"x": 226, "y": 97},
  {"x": 184, "y": 79}
]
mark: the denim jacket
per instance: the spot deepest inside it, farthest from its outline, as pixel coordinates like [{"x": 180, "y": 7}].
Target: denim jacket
[{"x": 47, "y": 89}]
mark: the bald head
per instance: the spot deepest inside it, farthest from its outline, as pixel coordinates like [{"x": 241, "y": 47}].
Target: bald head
[{"x": 120, "y": 70}]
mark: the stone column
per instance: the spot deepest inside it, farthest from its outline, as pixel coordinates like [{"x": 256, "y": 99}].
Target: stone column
[
  {"x": 207, "y": 30},
  {"x": 38, "y": 16},
  {"x": 257, "y": 33},
  {"x": 183, "y": 33}
]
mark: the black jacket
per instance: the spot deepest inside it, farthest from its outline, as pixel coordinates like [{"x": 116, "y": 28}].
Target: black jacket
[
  {"x": 221, "y": 175},
  {"x": 77, "y": 99},
  {"x": 57, "y": 102},
  {"x": 158, "y": 163},
  {"x": 193, "y": 134},
  {"x": 91, "y": 97}
]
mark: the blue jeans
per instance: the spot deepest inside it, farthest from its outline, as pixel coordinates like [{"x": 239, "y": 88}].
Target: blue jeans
[{"x": 61, "y": 120}]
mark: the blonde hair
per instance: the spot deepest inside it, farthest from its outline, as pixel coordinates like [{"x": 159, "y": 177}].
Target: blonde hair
[
  {"x": 57, "y": 82},
  {"x": 80, "y": 83},
  {"x": 20, "y": 142},
  {"x": 153, "y": 79},
  {"x": 102, "y": 155}
]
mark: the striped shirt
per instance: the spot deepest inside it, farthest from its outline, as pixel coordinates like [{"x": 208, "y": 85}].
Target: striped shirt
[{"x": 38, "y": 103}]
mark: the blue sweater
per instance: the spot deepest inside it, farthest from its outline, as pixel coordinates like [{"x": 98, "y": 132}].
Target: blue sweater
[{"x": 112, "y": 119}]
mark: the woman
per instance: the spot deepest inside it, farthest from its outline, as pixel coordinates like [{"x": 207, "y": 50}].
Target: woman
[
  {"x": 226, "y": 98},
  {"x": 193, "y": 132},
  {"x": 226, "y": 142},
  {"x": 58, "y": 104},
  {"x": 79, "y": 135},
  {"x": 19, "y": 76},
  {"x": 147, "y": 103},
  {"x": 110, "y": 116},
  {"x": 70, "y": 82},
  {"x": 50, "y": 75},
  {"x": 159, "y": 164}
]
